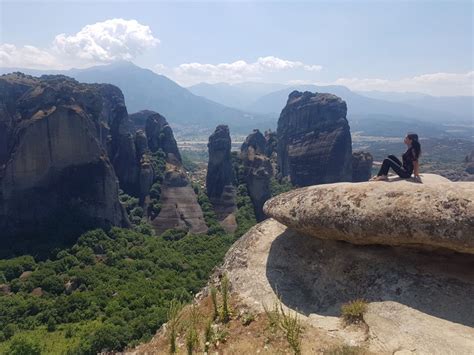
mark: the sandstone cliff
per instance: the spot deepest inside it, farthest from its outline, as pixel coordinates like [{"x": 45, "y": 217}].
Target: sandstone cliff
[
  {"x": 361, "y": 166},
  {"x": 220, "y": 177},
  {"x": 257, "y": 171},
  {"x": 54, "y": 160},
  {"x": 314, "y": 140},
  {"x": 178, "y": 202},
  {"x": 419, "y": 297}
]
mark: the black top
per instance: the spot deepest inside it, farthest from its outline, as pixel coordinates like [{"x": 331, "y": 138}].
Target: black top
[{"x": 408, "y": 158}]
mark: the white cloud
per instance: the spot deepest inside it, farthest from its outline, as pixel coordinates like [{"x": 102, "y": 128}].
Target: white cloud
[
  {"x": 26, "y": 56},
  {"x": 239, "y": 70},
  {"x": 115, "y": 39},
  {"x": 434, "y": 84},
  {"x": 102, "y": 42}
]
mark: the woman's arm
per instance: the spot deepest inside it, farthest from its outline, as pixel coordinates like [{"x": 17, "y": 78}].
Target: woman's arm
[{"x": 416, "y": 170}]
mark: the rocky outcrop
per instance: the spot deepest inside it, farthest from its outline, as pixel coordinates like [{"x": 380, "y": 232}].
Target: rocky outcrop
[
  {"x": 179, "y": 205},
  {"x": 361, "y": 166},
  {"x": 257, "y": 171},
  {"x": 418, "y": 302},
  {"x": 219, "y": 178},
  {"x": 160, "y": 136},
  {"x": 435, "y": 214},
  {"x": 54, "y": 159},
  {"x": 180, "y": 208},
  {"x": 469, "y": 161},
  {"x": 314, "y": 139}
]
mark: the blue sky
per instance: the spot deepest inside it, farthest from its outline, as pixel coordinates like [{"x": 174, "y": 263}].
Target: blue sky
[{"x": 422, "y": 46}]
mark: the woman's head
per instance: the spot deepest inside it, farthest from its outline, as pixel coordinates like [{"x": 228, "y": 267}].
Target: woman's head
[{"x": 411, "y": 140}]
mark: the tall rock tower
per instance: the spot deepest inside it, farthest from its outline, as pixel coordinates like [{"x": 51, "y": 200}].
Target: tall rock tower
[
  {"x": 314, "y": 139},
  {"x": 219, "y": 178}
]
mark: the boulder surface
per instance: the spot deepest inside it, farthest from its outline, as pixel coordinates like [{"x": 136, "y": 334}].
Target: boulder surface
[
  {"x": 418, "y": 302},
  {"x": 435, "y": 214}
]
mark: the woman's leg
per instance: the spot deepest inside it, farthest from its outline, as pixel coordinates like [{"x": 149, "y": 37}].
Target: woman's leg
[
  {"x": 385, "y": 167},
  {"x": 389, "y": 163},
  {"x": 395, "y": 159}
]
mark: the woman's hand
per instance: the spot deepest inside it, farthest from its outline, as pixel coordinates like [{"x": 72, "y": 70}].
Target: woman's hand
[
  {"x": 417, "y": 178},
  {"x": 416, "y": 171}
]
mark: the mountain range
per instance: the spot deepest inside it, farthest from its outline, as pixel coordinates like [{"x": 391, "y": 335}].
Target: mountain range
[{"x": 249, "y": 105}]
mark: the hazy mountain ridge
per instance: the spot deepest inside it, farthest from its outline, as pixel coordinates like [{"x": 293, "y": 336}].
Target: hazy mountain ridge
[
  {"x": 409, "y": 104},
  {"x": 144, "y": 89}
]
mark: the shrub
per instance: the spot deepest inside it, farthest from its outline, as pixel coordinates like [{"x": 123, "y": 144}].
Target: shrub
[
  {"x": 353, "y": 312},
  {"x": 173, "y": 320},
  {"x": 214, "y": 303},
  {"x": 21, "y": 345},
  {"x": 225, "y": 315}
]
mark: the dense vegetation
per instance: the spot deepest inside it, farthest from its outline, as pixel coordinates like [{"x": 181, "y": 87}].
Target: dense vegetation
[
  {"x": 110, "y": 289},
  {"x": 106, "y": 291}
]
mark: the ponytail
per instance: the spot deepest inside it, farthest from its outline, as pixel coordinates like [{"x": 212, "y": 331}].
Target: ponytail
[{"x": 415, "y": 144}]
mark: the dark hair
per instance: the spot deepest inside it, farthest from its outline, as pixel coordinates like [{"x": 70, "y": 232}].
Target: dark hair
[{"x": 415, "y": 144}]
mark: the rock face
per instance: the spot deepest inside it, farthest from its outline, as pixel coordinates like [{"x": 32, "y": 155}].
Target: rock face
[
  {"x": 361, "y": 166},
  {"x": 435, "y": 214},
  {"x": 219, "y": 178},
  {"x": 53, "y": 160},
  {"x": 419, "y": 302},
  {"x": 180, "y": 208},
  {"x": 314, "y": 139},
  {"x": 257, "y": 171},
  {"x": 470, "y": 163},
  {"x": 160, "y": 136}
]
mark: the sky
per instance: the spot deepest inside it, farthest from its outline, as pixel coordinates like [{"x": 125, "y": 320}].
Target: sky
[{"x": 423, "y": 46}]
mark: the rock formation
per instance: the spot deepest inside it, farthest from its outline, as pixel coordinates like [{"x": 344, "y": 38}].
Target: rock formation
[
  {"x": 219, "y": 178},
  {"x": 179, "y": 206},
  {"x": 419, "y": 296},
  {"x": 418, "y": 302},
  {"x": 469, "y": 161},
  {"x": 435, "y": 214},
  {"x": 257, "y": 171},
  {"x": 361, "y": 166},
  {"x": 53, "y": 160},
  {"x": 314, "y": 140},
  {"x": 160, "y": 136}
]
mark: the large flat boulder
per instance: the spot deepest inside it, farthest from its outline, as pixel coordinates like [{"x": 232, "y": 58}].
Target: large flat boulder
[
  {"x": 418, "y": 302},
  {"x": 435, "y": 214}
]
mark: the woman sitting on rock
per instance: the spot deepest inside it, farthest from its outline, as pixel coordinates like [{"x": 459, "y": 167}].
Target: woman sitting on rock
[{"x": 410, "y": 161}]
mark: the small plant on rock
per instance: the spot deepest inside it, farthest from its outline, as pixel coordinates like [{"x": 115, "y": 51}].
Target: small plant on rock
[
  {"x": 208, "y": 335},
  {"x": 292, "y": 328},
  {"x": 247, "y": 318},
  {"x": 173, "y": 320},
  {"x": 353, "y": 311},
  {"x": 214, "y": 303},
  {"x": 192, "y": 339},
  {"x": 225, "y": 314}
]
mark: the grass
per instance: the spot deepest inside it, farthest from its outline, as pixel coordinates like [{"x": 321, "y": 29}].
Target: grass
[
  {"x": 174, "y": 316},
  {"x": 353, "y": 311},
  {"x": 287, "y": 322},
  {"x": 225, "y": 314}
]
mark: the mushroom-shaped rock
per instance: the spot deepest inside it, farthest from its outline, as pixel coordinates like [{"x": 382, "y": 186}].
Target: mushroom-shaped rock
[{"x": 435, "y": 214}]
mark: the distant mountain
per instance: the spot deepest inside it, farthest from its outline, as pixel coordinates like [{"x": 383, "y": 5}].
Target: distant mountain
[
  {"x": 360, "y": 105},
  {"x": 238, "y": 95},
  {"x": 144, "y": 89},
  {"x": 457, "y": 105}
]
